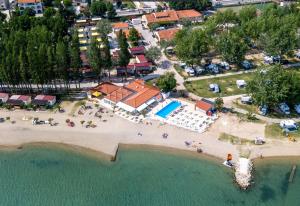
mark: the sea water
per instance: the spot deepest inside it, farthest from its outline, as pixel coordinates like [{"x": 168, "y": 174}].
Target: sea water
[{"x": 49, "y": 176}]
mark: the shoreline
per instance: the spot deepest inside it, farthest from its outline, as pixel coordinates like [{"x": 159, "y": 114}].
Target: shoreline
[
  {"x": 98, "y": 155},
  {"x": 115, "y": 132}
]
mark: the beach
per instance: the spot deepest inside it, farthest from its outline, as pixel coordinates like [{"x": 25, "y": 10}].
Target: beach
[{"x": 115, "y": 131}]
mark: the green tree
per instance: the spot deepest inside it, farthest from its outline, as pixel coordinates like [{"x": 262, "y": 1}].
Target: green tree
[
  {"x": 219, "y": 103},
  {"x": 247, "y": 13},
  {"x": 273, "y": 85},
  {"x": 191, "y": 45},
  {"x": 62, "y": 61},
  {"x": 104, "y": 27},
  {"x": 95, "y": 58},
  {"x": 107, "y": 61},
  {"x": 134, "y": 36},
  {"x": 111, "y": 12},
  {"x": 124, "y": 55},
  {"x": 190, "y": 4},
  {"x": 98, "y": 8},
  {"x": 75, "y": 60},
  {"x": 166, "y": 82},
  {"x": 153, "y": 53},
  {"x": 232, "y": 47}
]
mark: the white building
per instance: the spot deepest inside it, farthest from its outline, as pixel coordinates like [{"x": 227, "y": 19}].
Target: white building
[{"x": 35, "y": 5}]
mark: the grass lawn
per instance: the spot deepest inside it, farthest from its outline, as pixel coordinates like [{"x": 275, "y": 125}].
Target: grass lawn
[
  {"x": 181, "y": 71},
  {"x": 238, "y": 8},
  {"x": 129, "y": 4},
  {"x": 224, "y": 137},
  {"x": 227, "y": 85},
  {"x": 275, "y": 131}
]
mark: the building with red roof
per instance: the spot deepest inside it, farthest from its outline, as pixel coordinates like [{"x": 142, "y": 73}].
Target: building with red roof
[
  {"x": 206, "y": 106},
  {"x": 44, "y": 100},
  {"x": 166, "y": 35},
  {"x": 172, "y": 16},
  {"x": 120, "y": 26},
  {"x": 137, "y": 50},
  {"x": 19, "y": 100},
  {"x": 133, "y": 97}
]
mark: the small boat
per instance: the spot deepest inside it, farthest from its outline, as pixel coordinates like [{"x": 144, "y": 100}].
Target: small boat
[{"x": 228, "y": 163}]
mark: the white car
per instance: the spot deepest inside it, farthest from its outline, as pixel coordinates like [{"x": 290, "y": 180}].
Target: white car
[
  {"x": 284, "y": 108},
  {"x": 289, "y": 125},
  {"x": 297, "y": 108},
  {"x": 214, "y": 88},
  {"x": 190, "y": 71},
  {"x": 246, "y": 100}
]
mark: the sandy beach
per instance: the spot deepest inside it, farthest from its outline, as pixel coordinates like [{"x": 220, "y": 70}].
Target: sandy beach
[{"x": 112, "y": 132}]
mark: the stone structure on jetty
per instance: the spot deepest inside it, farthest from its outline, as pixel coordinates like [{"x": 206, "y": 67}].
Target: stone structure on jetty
[{"x": 243, "y": 172}]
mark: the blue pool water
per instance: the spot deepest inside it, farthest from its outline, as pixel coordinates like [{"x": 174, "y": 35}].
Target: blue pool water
[{"x": 164, "y": 112}]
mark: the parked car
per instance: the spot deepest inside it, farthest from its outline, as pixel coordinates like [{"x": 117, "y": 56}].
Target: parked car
[
  {"x": 160, "y": 28},
  {"x": 182, "y": 65},
  {"x": 246, "y": 100},
  {"x": 297, "y": 108},
  {"x": 213, "y": 68},
  {"x": 284, "y": 108},
  {"x": 289, "y": 125},
  {"x": 190, "y": 71},
  {"x": 268, "y": 60},
  {"x": 199, "y": 70},
  {"x": 224, "y": 65},
  {"x": 247, "y": 64},
  {"x": 214, "y": 88},
  {"x": 263, "y": 110}
]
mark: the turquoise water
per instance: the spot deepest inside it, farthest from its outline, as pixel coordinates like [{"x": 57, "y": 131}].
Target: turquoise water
[
  {"x": 164, "y": 112},
  {"x": 53, "y": 177}
]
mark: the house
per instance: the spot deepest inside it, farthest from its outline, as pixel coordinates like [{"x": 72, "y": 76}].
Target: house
[
  {"x": 44, "y": 100},
  {"x": 166, "y": 35},
  {"x": 35, "y": 5},
  {"x": 133, "y": 68},
  {"x": 137, "y": 50},
  {"x": 171, "y": 17},
  {"x": 133, "y": 98},
  {"x": 19, "y": 100},
  {"x": 3, "y": 97},
  {"x": 120, "y": 26},
  {"x": 206, "y": 106},
  {"x": 141, "y": 58},
  {"x": 104, "y": 88}
]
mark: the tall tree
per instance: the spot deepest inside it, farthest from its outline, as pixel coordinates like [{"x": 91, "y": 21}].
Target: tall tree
[
  {"x": 153, "y": 53},
  {"x": 124, "y": 55},
  {"x": 134, "y": 36},
  {"x": 111, "y": 12},
  {"x": 98, "y": 8},
  {"x": 166, "y": 82},
  {"x": 62, "y": 61},
  {"x": 104, "y": 27},
  {"x": 95, "y": 58},
  {"x": 107, "y": 61},
  {"x": 75, "y": 60},
  {"x": 232, "y": 47}
]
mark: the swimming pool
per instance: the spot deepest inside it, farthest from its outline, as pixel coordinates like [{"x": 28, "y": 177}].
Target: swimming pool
[{"x": 164, "y": 112}]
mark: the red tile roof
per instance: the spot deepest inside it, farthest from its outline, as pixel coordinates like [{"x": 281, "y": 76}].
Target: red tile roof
[
  {"x": 143, "y": 64},
  {"x": 119, "y": 94},
  {"x": 28, "y": 1},
  {"x": 165, "y": 16},
  {"x": 168, "y": 34},
  {"x": 134, "y": 94},
  {"x": 141, "y": 58},
  {"x": 171, "y": 15},
  {"x": 139, "y": 48},
  {"x": 106, "y": 88},
  {"x": 45, "y": 97},
  {"x": 120, "y": 25},
  {"x": 143, "y": 93},
  {"x": 3, "y": 95},
  {"x": 24, "y": 98},
  {"x": 191, "y": 13},
  {"x": 204, "y": 105}
]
